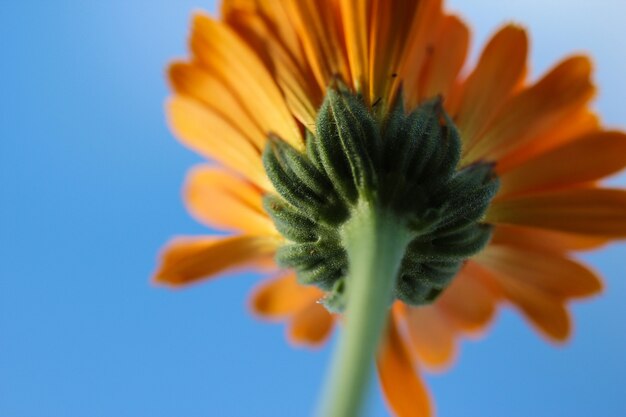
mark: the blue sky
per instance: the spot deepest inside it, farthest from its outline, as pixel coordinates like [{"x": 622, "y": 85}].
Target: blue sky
[{"x": 90, "y": 180}]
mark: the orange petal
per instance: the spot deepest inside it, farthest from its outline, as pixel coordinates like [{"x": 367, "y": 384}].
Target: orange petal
[
  {"x": 356, "y": 23},
  {"x": 579, "y": 124},
  {"x": 283, "y": 296},
  {"x": 448, "y": 55},
  {"x": 598, "y": 212},
  {"x": 500, "y": 70},
  {"x": 303, "y": 97},
  {"x": 192, "y": 81},
  {"x": 311, "y": 326},
  {"x": 275, "y": 15},
  {"x": 586, "y": 159},
  {"x": 387, "y": 38},
  {"x": 468, "y": 303},
  {"x": 559, "y": 95},
  {"x": 413, "y": 27},
  {"x": 221, "y": 200},
  {"x": 551, "y": 273},
  {"x": 208, "y": 133},
  {"x": 259, "y": 28},
  {"x": 542, "y": 240},
  {"x": 224, "y": 54},
  {"x": 188, "y": 260},
  {"x": 319, "y": 28},
  {"x": 432, "y": 336},
  {"x": 404, "y": 390},
  {"x": 545, "y": 312}
]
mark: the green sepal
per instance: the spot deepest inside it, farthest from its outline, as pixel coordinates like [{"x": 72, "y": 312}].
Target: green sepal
[
  {"x": 312, "y": 151},
  {"x": 289, "y": 221},
  {"x": 415, "y": 291},
  {"x": 301, "y": 183},
  {"x": 432, "y": 261},
  {"x": 335, "y": 300},
  {"x": 288, "y": 185},
  {"x": 324, "y": 274},
  {"x": 469, "y": 194},
  {"x": 299, "y": 165},
  {"x": 348, "y": 144},
  {"x": 424, "y": 131}
]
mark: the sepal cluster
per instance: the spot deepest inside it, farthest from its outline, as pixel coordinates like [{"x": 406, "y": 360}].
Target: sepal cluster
[{"x": 407, "y": 166}]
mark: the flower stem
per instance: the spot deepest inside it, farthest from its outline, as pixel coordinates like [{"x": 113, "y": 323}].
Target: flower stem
[{"x": 376, "y": 244}]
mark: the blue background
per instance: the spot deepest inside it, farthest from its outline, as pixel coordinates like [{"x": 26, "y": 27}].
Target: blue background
[{"x": 90, "y": 190}]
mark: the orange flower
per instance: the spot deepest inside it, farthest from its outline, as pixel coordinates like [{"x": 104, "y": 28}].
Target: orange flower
[{"x": 264, "y": 67}]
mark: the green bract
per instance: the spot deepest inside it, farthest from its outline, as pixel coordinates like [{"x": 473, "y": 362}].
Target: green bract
[{"x": 406, "y": 166}]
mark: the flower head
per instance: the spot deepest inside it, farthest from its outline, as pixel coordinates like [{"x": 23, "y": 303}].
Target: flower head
[{"x": 500, "y": 199}]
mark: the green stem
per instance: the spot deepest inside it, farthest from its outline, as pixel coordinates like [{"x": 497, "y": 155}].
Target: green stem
[{"x": 375, "y": 243}]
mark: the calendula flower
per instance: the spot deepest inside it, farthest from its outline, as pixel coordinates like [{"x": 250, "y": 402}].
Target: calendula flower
[{"x": 334, "y": 124}]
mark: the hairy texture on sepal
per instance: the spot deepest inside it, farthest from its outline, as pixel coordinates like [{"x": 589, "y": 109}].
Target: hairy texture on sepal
[{"x": 407, "y": 166}]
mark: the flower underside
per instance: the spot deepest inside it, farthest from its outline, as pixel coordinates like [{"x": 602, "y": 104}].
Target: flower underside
[{"x": 406, "y": 166}]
